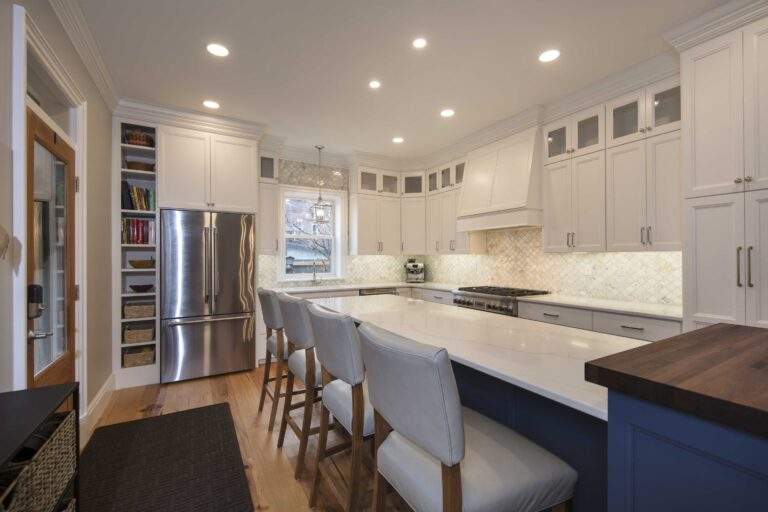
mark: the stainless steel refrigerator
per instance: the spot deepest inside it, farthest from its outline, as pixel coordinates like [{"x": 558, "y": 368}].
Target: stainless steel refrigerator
[{"x": 207, "y": 294}]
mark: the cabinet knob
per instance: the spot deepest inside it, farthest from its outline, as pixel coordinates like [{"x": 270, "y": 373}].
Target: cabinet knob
[
  {"x": 642, "y": 130},
  {"x": 748, "y": 178},
  {"x": 737, "y": 180}
]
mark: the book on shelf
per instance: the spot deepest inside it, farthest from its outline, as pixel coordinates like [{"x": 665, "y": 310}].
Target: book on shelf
[
  {"x": 137, "y": 198},
  {"x": 138, "y": 231}
]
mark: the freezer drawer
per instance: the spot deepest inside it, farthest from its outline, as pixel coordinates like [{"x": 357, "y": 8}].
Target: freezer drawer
[{"x": 197, "y": 347}]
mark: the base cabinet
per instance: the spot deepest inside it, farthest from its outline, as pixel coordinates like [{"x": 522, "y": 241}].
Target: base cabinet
[{"x": 660, "y": 459}]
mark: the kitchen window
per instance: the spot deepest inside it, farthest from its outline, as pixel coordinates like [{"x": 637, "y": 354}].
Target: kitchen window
[{"x": 311, "y": 249}]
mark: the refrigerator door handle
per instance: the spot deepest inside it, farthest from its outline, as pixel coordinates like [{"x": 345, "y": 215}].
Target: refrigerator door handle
[
  {"x": 215, "y": 264},
  {"x": 206, "y": 266},
  {"x": 174, "y": 323}
]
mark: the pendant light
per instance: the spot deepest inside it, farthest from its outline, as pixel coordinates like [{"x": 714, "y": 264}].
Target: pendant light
[{"x": 321, "y": 210}]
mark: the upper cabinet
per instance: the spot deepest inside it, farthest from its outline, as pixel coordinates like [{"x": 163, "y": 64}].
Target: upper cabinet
[
  {"x": 626, "y": 118},
  {"x": 713, "y": 113},
  {"x": 412, "y": 184},
  {"x": 269, "y": 221},
  {"x": 575, "y": 135},
  {"x": 375, "y": 225},
  {"x": 662, "y": 107},
  {"x": 206, "y": 171},
  {"x": 756, "y": 104},
  {"x": 644, "y": 113},
  {"x": 445, "y": 177},
  {"x": 413, "y": 225},
  {"x": 376, "y": 181},
  {"x": 443, "y": 236}
]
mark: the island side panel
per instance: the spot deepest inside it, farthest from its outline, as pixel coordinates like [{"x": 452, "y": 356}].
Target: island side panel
[
  {"x": 577, "y": 438},
  {"x": 661, "y": 460}
]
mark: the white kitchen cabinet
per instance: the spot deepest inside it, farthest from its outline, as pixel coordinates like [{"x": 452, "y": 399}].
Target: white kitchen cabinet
[
  {"x": 712, "y": 117},
  {"x": 412, "y": 184},
  {"x": 626, "y": 118},
  {"x": 756, "y": 104},
  {"x": 558, "y": 206},
  {"x": 448, "y": 235},
  {"x": 588, "y": 129},
  {"x": 713, "y": 261},
  {"x": 756, "y": 247},
  {"x": 458, "y": 172},
  {"x": 269, "y": 223},
  {"x": 389, "y": 226},
  {"x": 626, "y": 197},
  {"x": 375, "y": 225},
  {"x": 630, "y": 326},
  {"x": 204, "y": 171},
  {"x": 234, "y": 180},
  {"x": 434, "y": 223},
  {"x": 446, "y": 177},
  {"x": 574, "y": 204},
  {"x": 433, "y": 181},
  {"x": 185, "y": 158},
  {"x": 268, "y": 167},
  {"x": 413, "y": 221},
  {"x": 439, "y": 296},
  {"x": 377, "y": 181},
  {"x": 554, "y": 314},
  {"x": 662, "y": 107},
  {"x": 557, "y": 140},
  {"x": 664, "y": 192},
  {"x": 643, "y": 210}
]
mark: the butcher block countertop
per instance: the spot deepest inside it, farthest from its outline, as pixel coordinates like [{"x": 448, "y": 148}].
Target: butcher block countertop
[{"x": 718, "y": 373}]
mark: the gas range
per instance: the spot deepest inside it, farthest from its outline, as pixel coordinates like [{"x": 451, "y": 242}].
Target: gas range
[{"x": 494, "y": 299}]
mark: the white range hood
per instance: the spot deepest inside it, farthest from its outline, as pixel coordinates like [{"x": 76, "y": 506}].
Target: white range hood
[{"x": 502, "y": 185}]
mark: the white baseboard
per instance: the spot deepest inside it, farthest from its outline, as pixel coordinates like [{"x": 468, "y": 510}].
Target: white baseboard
[{"x": 96, "y": 408}]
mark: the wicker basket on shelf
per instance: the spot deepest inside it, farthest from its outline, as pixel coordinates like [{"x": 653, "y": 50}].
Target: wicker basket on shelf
[
  {"x": 140, "y": 357},
  {"x": 139, "y": 138},
  {"x": 136, "y": 165},
  {"x": 138, "y": 334},
  {"x": 139, "y": 310}
]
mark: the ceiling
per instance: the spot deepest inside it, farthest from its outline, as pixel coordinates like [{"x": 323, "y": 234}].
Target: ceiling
[{"x": 302, "y": 67}]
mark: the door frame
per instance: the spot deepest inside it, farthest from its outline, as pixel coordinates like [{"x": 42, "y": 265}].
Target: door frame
[
  {"x": 28, "y": 38},
  {"x": 46, "y": 136}
]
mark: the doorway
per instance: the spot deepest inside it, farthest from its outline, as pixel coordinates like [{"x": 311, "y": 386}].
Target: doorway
[{"x": 51, "y": 291}]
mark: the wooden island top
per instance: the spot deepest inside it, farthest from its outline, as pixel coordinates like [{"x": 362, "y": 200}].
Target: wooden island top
[{"x": 719, "y": 373}]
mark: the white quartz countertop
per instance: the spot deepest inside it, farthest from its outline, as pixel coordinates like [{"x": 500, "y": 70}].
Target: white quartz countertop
[
  {"x": 663, "y": 311},
  {"x": 287, "y": 288},
  {"x": 543, "y": 358}
]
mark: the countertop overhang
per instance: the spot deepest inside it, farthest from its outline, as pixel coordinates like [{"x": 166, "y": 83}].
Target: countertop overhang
[
  {"x": 542, "y": 358},
  {"x": 719, "y": 373}
]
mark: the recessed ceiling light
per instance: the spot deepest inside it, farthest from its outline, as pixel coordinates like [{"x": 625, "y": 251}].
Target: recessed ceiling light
[
  {"x": 447, "y": 112},
  {"x": 217, "y": 49},
  {"x": 398, "y": 140},
  {"x": 374, "y": 84},
  {"x": 549, "y": 55},
  {"x": 211, "y": 104},
  {"x": 419, "y": 42}
]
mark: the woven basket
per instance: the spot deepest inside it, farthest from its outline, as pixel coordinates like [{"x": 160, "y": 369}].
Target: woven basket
[
  {"x": 46, "y": 476},
  {"x": 139, "y": 138},
  {"x": 139, "y": 310},
  {"x": 134, "y": 334},
  {"x": 140, "y": 357},
  {"x": 136, "y": 165},
  {"x": 142, "y": 263}
]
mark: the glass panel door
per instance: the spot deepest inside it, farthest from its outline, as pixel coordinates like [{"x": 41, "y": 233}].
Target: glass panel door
[
  {"x": 389, "y": 184},
  {"x": 367, "y": 181},
  {"x": 413, "y": 184},
  {"x": 445, "y": 178},
  {"x": 626, "y": 119},
  {"x": 663, "y": 107},
  {"x": 557, "y": 141},
  {"x": 459, "y": 173},
  {"x": 432, "y": 181},
  {"x": 588, "y": 129}
]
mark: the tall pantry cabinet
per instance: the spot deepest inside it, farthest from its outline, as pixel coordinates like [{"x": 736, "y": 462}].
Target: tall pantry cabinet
[{"x": 725, "y": 164}]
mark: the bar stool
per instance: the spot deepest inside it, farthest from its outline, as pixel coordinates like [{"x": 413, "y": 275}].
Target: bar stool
[
  {"x": 440, "y": 456},
  {"x": 277, "y": 346},
  {"x": 302, "y": 365},
  {"x": 344, "y": 395}
]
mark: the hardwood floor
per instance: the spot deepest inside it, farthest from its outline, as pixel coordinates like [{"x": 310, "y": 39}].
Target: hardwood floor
[{"x": 269, "y": 469}]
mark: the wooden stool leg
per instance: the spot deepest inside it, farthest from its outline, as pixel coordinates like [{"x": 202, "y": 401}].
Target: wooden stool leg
[
  {"x": 306, "y": 425},
  {"x": 380, "y": 485},
  {"x": 286, "y": 409},
  {"x": 563, "y": 507},
  {"x": 280, "y": 368},
  {"x": 265, "y": 382},
  {"x": 358, "y": 412},
  {"x": 322, "y": 440}
]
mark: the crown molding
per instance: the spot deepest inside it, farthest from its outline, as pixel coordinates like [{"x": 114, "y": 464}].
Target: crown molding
[
  {"x": 187, "y": 119},
  {"x": 362, "y": 158},
  {"x": 718, "y": 21},
  {"x": 657, "y": 68},
  {"x": 271, "y": 143},
  {"x": 73, "y": 20},
  {"x": 50, "y": 61}
]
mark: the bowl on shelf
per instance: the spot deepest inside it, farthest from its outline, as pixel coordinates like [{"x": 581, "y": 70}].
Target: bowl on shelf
[
  {"x": 141, "y": 288},
  {"x": 142, "y": 263}
]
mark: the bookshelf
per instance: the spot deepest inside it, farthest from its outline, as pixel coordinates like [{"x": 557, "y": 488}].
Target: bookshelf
[{"x": 135, "y": 256}]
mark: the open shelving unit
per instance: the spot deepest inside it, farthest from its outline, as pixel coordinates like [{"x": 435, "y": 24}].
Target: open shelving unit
[{"x": 136, "y": 317}]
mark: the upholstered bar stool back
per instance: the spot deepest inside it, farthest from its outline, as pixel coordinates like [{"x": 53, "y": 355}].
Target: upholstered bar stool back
[
  {"x": 296, "y": 323},
  {"x": 270, "y": 309},
  {"x": 276, "y": 347},
  {"x": 337, "y": 344}
]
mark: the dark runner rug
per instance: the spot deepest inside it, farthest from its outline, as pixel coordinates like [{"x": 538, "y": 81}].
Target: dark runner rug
[{"x": 188, "y": 460}]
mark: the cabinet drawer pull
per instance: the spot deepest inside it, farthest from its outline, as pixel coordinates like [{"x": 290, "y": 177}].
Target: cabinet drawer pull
[
  {"x": 749, "y": 267},
  {"x": 551, "y": 315},
  {"x": 633, "y": 328},
  {"x": 437, "y": 297},
  {"x": 642, "y": 235},
  {"x": 738, "y": 266}
]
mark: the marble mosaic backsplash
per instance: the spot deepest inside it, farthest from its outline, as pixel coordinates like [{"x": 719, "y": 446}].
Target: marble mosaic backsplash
[{"x": 515, "y": 259}]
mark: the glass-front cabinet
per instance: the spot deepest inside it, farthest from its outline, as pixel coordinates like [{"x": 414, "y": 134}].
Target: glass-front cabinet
[
  {"x": 589, "y": 131},
  {"x": 376, "y": 181},
  {"x": 626, "y": 118},
  {"x": 662, "y": 107},
  {"x": 433, "y": 181},
  {"x": 412, "y": 184},
  {"x": 557, "y": 141}
]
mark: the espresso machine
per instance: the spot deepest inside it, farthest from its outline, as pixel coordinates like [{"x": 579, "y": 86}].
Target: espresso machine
[{"x": 414, "y": 271}]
